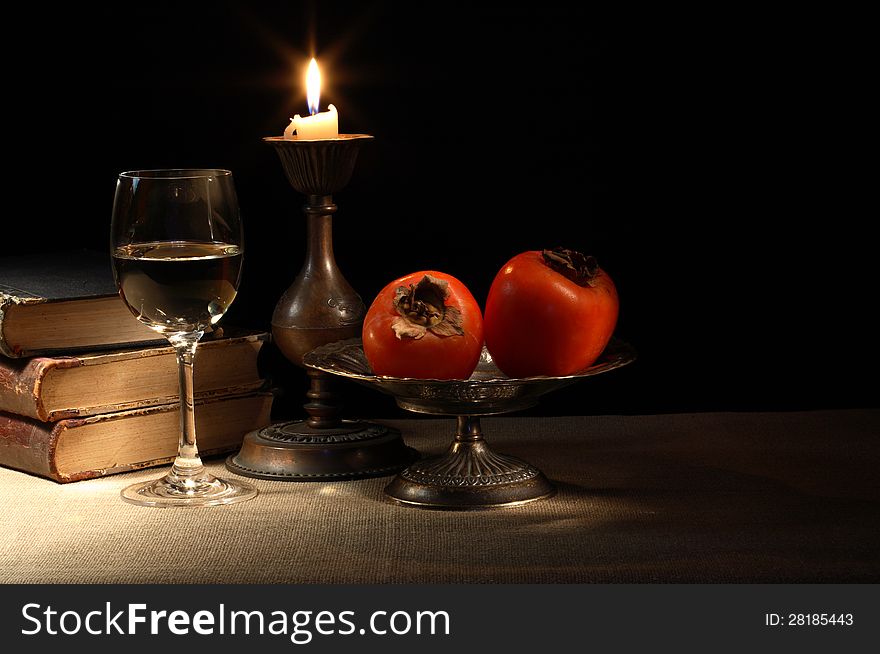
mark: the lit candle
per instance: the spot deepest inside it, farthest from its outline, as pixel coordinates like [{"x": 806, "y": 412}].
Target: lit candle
[{"x": 318, "y": 125}]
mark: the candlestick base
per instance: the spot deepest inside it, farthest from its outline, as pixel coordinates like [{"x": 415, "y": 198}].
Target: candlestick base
[{"x": 294, "y": 451}]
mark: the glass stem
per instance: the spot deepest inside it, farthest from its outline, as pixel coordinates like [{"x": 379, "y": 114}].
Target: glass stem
[{"x": 187, "y": 464}]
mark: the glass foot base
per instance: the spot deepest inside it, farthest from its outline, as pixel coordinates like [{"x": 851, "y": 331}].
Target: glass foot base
[{"x": 205, "y": 491}]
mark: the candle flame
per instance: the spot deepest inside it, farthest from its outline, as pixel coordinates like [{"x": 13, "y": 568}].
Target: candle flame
[{"x": 313, "y": 86}]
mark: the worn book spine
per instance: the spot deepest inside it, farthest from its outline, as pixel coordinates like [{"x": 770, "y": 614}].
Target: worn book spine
[
  {"x": 8, "y": 299},
  {"x": 21, "y": 382},
  {"x": 29, "y": 445}
]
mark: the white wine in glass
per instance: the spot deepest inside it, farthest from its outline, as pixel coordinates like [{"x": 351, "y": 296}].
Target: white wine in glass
[{"x": 176, "y": 241}]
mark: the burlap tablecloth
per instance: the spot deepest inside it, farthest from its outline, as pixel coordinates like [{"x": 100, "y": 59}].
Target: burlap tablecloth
[{"x": 714, "y": 497}]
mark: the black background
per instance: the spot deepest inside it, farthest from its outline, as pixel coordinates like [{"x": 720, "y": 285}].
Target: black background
[{"x": 710, "y": 160}]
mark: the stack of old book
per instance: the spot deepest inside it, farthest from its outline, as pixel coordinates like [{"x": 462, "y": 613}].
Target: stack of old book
[{"x": 86, "y": 390}]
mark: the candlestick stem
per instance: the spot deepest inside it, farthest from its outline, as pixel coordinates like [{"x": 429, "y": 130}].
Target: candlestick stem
[{"x": 319, "y": 244}]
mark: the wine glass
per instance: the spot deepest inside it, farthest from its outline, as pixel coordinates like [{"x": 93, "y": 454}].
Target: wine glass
[{"x": 176, "y": 242}]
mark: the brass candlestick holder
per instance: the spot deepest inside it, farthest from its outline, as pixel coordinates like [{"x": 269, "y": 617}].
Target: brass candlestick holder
[{"x": 320, "y": 307}]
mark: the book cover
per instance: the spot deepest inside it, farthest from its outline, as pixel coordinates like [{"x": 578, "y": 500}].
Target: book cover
[
  {"x": 60, "y": 302},
  {"x": 53, "y": 388},
  {"x": 84, "y": 448}
]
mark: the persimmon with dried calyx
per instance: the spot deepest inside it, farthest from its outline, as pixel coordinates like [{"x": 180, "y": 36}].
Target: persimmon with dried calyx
[
  {"x": 549, "y": 313},
  {"x": 425, "y": 325}
]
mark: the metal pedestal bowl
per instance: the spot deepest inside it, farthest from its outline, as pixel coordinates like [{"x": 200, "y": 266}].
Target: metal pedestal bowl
[{"x": 468, "y": 475}]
